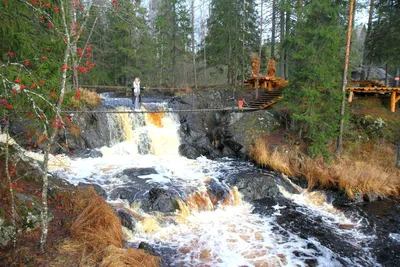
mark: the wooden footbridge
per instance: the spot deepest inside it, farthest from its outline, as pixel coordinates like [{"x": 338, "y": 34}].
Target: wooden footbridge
[{"x": 373, "y": 87}]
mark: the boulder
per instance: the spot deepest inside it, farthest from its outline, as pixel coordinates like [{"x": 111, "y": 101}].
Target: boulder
[
  {"x": 217, "y": 190},
  {"x": 256, "y": 186},
  {"x": 127, "y": 219},
  {"x": 160, "y": 199},
  {"x": 148, "y": 248}
]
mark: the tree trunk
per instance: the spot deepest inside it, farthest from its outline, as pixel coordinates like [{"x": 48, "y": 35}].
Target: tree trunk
[
  {"x": 369, "y": 25},
  {"x": 397, "y": 76},
  {"x": 273, "y": 28},
  {"x": 12, "y": 196},
  {"x": 260, "y": 48},
  {"x": 344, "y": 78},
  {"x": 281, "y": 49},
  {"x": 193, "y": 50},
  {"x": 299, "y": 10},
  {"x": 288, "y": 24},
  {"x": 386, "y": 75}
]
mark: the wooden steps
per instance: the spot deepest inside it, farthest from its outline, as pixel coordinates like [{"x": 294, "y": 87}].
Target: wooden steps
[{"x": 265, "y": 99}]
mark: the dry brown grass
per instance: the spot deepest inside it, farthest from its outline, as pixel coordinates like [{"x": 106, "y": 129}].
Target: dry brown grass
[
  {"x": 259, "y": 152},
  {"x": 87, "y": 98},
  {"x": 97, "y": 233},
  {"x": 367, "y": 170},
  {"x": 117, "y": 257}
]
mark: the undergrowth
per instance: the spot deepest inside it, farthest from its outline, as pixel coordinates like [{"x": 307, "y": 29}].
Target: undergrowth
[{"x": 368, "y": 170}]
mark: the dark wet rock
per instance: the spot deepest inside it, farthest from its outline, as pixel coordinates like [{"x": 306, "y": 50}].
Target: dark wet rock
[
  {"x": 384, "y": 222},
  {"x": 233, "y": 145},
  {"x": 189, "y": 151},
  {"x": 97, "y": 188},
  {"x": 87, "y": 153},
  {"x": 148, "y": 248},
  {"x": 94, "y": 130},
  {"x": 255, "y": 186},
  {"x": 127, "y": 219},
  {"x": 131, "y": 194},
  {"x": 341, "y": 199},
  {"x": 160, "y": 199},
  {"x": 217, "y": 190}
]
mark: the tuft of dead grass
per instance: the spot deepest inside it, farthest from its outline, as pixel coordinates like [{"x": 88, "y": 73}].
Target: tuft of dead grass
[
  {"x": 97, "y": 233},
  {"x": 259, "y": 152},
  {"x": 97, "y": 227},
  {"x": 370, "y": 170},
  {"x": 86, "y": 98},
  {"x": 117, "y": 257}
]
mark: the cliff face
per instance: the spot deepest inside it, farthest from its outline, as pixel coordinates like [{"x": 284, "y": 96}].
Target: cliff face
[
  {"x": 211, "y": 134},
  {"x": 218, "y": 134}
]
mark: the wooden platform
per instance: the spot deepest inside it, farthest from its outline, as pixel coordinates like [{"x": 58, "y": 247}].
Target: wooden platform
[{"x": 393, "y": 91}]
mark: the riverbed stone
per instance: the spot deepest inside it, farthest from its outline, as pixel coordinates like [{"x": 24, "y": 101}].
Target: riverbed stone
[
  {"x": 256, "y": 186},
  {"x": 127, "y": 219},
  {"x": 160, "y": 199},
  {"x": 148, "y": 248}
]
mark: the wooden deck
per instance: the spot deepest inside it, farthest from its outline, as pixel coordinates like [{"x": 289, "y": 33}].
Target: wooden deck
[{"x": 374, "y": 87}]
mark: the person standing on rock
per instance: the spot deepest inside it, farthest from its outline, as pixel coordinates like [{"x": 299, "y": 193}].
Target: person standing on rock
[{"x": 136, "y": 94}]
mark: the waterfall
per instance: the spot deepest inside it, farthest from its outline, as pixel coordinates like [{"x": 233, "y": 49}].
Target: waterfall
[{"x": 143, "y": 133}]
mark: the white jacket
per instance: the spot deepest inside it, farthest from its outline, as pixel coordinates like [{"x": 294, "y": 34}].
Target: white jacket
[{"x": 136, "y": 88}]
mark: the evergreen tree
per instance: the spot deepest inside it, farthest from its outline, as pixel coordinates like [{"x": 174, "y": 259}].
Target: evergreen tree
[
  {"x": 232, "y": 25},
  {"x": 314, "y": 95},
  {"x": 123, "y": 46},
  {"x": 384, "y": 38},
  {"x": 172, "y": 26}
]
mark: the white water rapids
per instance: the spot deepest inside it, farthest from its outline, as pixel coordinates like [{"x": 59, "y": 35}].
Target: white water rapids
[{"x": 228, "y": 235}]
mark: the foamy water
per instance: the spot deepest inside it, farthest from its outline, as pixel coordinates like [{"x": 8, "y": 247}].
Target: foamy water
[{"x": 228, "y": 235}]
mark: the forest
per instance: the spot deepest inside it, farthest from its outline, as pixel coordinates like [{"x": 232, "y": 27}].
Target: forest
[{"x": 51, "y": 51}]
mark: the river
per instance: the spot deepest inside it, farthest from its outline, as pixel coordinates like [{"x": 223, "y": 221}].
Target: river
[{"x": 212, "y": 223}]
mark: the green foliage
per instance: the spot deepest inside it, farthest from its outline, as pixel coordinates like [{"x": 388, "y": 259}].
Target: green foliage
[
  {"x": 314, "y": 94},
  {"x": 172, "y": 29},
  {"x": 123, "y": 46},
  {"x": 233, "y": 35},
  {"x": 383, "y": 43}
]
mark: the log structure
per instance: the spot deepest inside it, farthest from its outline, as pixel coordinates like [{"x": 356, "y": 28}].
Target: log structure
[{"x": 365, "y": 86}]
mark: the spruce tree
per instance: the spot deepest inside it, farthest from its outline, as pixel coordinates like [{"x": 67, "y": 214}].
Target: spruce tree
[
  {"x": 314, "y": 95},
  {"x": 232, "y": 25}
]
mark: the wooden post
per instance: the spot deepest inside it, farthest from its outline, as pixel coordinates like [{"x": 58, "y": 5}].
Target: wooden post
[
  {"x": 269, "y": 86},
  {"x": 393, "y": 102},
  {"x": 344, "y": 80},
  {"x": 351, "y": 96}
]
